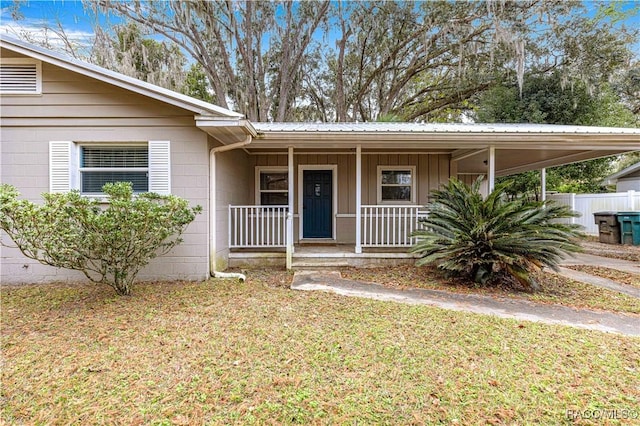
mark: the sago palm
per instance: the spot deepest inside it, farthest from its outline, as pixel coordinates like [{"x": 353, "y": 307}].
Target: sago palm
[{"x": 492, "y": 240}]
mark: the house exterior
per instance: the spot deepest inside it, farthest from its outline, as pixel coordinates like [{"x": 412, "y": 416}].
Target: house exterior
[
  {"x": 625, "y": 180},
  {"x": 63, "y": 121},
  {"x": 278, "y": 193}
]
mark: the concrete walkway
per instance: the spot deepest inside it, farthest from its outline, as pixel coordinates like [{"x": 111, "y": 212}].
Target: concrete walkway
[
  {"x": 331, "y": 281},
  {"x": 590, "y": 260},
  {"x": 607, "y": 262}
]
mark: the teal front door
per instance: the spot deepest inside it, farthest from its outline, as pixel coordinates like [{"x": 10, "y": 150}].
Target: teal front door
[{"x": 317, "y": 204}]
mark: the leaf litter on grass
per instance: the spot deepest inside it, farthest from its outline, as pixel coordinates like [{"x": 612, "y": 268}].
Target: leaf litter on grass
[
  {"x": 616, "y": 275},
  {"x": 554, "y": 288},
  {"x": 226, "y": 352}
]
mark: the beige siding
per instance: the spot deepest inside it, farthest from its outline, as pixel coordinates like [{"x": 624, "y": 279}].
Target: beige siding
[
  {"x": 79, "y": 109},
  {"x": 431, "y": 172},
  {"x": 628, "y": 184},
  {"x": 234, "y": 183}
]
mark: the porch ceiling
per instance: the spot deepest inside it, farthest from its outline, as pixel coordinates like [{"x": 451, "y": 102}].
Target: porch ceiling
[{"x": 512, "y": 161}]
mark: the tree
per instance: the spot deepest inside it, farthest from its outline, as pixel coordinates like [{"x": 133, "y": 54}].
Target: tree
[
  {"x": 110, "y": 245},
  {"x": 274, "y": 60},
  {"x": 492, "y": 240},
  {"x": 226, "y": 38},
  {"x": 196, "y": 84},
  {"x": 428, "y": 60},
  {"x": 550, "y": 99},
  {"x": 128, "y": 51},
  {"x": 627, "y": 84},
  {"x": 627, "y": 160}
]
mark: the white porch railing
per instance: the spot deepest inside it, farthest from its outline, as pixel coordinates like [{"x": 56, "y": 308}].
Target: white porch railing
[
  {"x": 257, "y": 226},
  {"x": 390, "y": 225}
]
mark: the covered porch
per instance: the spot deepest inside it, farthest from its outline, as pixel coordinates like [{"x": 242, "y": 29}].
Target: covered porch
[
  {"x": 350, "y": 194},
  {"x": 265, "y": 234}
]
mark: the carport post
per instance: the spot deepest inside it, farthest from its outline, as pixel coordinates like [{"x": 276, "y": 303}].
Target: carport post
[
  {"x": 289, "y": 220},
  {"x": 543, "y": 183},
  {"x": 358, "y": 248},
  {"x": 491, "y": 172}
]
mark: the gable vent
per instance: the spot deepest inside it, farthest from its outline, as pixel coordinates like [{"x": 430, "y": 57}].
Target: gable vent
[{"x": 20, "y": 77}]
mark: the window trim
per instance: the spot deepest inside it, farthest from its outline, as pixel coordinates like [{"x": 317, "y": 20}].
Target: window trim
[
  {"x": 259, "y": 191},
  {"x": 382, "y": 169},
  {"x": 64, "y": 161},
  {"x": 24, "y": 61}
]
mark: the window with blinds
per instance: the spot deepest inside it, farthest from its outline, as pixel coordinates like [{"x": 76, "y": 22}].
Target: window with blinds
[
  {"x": 110, "y": 164},
  {"x": 20, "y": 76}
]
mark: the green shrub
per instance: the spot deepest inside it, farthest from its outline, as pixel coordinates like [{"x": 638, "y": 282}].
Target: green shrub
[
  {"x": 108, "y": 244},
  {"x": 493, "y": 240}
]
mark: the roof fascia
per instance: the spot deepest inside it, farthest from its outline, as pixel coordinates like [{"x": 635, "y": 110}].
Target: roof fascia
[
  {"x": 210, "y": 124},
  {"x": 457, "y": 140}
]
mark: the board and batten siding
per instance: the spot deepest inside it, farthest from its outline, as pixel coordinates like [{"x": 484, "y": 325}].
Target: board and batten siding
[
  {"x": 432, "y": 170},
  {"x": 76, "y": 108}
]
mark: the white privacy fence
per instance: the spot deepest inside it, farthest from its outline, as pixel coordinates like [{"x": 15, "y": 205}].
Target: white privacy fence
[
  {"x": 257, "y": 226},
  {"x": 390, "y": 226},
  {"x": 588, "y": 204}
]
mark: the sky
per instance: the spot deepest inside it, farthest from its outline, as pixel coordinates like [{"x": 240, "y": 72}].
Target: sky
[
  {"x": 78, "y": 23},
  {"x": 37, "y": 14}
]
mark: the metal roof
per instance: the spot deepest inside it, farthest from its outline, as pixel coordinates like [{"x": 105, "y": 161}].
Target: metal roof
[
  {"x": 117, "y": 79},
  {"x": 382, "y": 127}
]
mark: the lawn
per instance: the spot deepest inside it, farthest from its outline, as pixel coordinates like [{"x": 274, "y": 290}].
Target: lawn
[{"x": 224, "y": 352}]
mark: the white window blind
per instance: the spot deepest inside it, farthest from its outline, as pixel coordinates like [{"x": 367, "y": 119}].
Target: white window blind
[{"x": 106, "y": 164}]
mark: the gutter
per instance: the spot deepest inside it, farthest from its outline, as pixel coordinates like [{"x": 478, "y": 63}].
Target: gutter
[{"x": 213, "y": 207}]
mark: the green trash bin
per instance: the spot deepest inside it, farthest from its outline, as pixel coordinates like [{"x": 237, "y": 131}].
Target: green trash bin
[{"x": 629, "y": 227}]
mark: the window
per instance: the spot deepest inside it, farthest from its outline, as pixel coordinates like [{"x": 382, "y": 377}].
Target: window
[
  {"x": 20, "y": 76},
  {"x": 88, "y": 166},
  {"x": 396, "y": 184},
  {"x": 107, "y": 164},
  {"x": 272, "y": 186}
]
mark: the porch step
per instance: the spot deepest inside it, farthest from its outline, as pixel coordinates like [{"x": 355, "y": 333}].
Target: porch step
[
  {"x": 318, "y": 242},
  {"x": 323, "y": 257},
  {"x": 351, "y": 261},
  {"x": 321, "y": 263}
]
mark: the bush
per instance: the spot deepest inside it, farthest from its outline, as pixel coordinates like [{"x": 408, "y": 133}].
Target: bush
[
  {"x": 493, "y": 240},
  {"x": 109, "y": 245}
]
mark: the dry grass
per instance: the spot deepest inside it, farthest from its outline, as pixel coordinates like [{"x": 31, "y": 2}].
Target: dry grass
[
  {"x": 621, "y": 277},
  {"x": 615, "y": 251},
  {"x": 555, "y": 288},
  {"x": 223, "y": 352}
]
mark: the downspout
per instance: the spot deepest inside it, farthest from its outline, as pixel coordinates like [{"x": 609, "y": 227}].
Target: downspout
[{"x": 212, "y": 208}]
